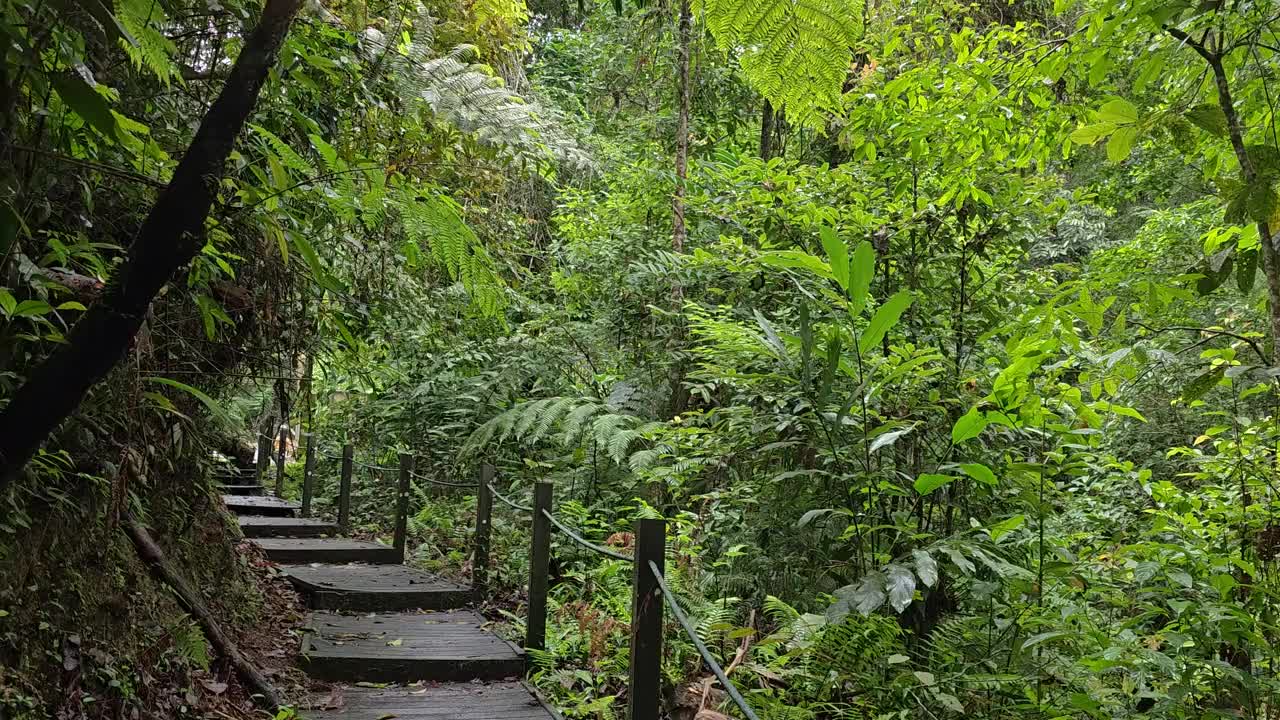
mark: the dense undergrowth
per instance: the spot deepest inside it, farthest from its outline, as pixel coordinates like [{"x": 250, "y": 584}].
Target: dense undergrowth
[{"x": 949, "y": 357}]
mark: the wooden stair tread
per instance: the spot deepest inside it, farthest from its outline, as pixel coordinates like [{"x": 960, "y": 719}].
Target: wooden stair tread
[
  {"x": 301, "y": 551},
  {"x": 407, "y": 647},
  {"x": 452, "y": 701},
  {"x": 380, "y": 587},
  {"x": 260, "y": 505},
  {"x": 261, "y": 526}
]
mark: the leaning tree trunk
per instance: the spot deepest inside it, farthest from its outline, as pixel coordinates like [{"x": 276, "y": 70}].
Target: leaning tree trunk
[{"x": 168, "y": 240}]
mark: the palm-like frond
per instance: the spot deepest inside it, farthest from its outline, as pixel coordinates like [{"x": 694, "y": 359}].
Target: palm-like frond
[{"x": 797, "y": 53}]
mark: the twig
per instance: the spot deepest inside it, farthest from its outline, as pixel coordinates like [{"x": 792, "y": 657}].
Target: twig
[{"x": 1189, "y": 328}]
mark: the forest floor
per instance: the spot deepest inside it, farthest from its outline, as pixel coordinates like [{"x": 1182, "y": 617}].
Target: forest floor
[{"x": 272, "y": 644}]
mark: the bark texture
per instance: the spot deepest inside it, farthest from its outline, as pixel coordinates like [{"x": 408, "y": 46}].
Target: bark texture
[{"x": 169, "y": 238}]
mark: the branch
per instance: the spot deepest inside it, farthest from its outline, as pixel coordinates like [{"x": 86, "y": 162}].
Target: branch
[
  {"x": 263, "y": 694},
  {"x": 1211, "y": 331},
  {"x": 90, "y": 165},
  {"x": 1204, "y": 52}
]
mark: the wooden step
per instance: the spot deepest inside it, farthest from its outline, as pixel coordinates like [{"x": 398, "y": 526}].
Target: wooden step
[
  {"x": 375, "y": 587},
  {"x": 260, "y": 526},
  {"x": 454, "y": 701},
  {"x": 445, "y": 646},
  {"x": 265, "y": 505},
  {"x": 241, "y": 489},
  {"x": 303, "y": 551}
]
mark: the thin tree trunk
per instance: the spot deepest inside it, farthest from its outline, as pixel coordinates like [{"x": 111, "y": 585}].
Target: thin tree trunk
[
  {"x": 169, "y": 238},
  {"x": 264, "y": 695},
  {"x": 766, "y": 131},
  {"x": 1235, "y": 130},
  {"x": 679, "y": 232}
]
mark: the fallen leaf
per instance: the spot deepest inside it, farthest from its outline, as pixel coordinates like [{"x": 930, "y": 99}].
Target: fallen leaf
[
  {"x": 217, "y": 688},
  {"x": 395, "y": 643}
]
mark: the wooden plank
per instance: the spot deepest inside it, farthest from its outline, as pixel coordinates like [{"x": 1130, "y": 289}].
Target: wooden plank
[
  {"x": 300, "y": 551},
  {"x": 267, "y": 505},
  {"x": 407, "y": 647},
  {"x": 453, "y": 701},
  {"x": 381, "y": 587},
  {"x": 241, "y": 489},
  {"x": 259, "y": 526}
]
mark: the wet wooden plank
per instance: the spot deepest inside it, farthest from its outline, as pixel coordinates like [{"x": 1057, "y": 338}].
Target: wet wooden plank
[
  {"x": 265, "y": 505},
  {"x": 407, "y": 647},
  {"x": 304, "y": 551},
  {"x": 380, "y": 587},
  {"x": 242, "y": 490},
  {"x": 453, "y": 701},
  {"x": 259, "y": 526}
]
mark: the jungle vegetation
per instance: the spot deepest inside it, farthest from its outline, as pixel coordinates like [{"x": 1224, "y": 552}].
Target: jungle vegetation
[{"x": 943, "y": 333}]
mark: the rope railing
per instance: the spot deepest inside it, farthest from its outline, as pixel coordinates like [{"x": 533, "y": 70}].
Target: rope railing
[
  {"x": 692, "y": 632},
  {"x": 509, "y": 502},
  {"x": 651, "y": 593},
  {"x": 445, "y": 483},
  {"x": 583, "y": 542}
]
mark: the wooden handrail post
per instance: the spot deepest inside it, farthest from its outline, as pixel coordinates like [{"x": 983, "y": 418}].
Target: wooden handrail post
[
  {"x": 308, "y": 475},
  {"x": 344, "y": 487},
  {"x": 402, "y": 505},
  {"x": 645, "y": 686},
  {"x": 282, "y": 437},
  {"x": 484, "y": 527},
  {"x": 264, "y": 458},
  {"x": 539, "y": 564}
]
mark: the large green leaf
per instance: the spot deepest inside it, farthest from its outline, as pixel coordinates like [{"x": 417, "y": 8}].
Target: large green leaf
[
  {"x": 1210, "y": 118},
  {"x": 1118, "y": 111},
  {"x": 78, "y": 95},
  {"x": 837, "y": 256},
  {"x": 861, "y": 271},
  {"x": 797, "y": 259},
  {"x": 207, "y": 401},
  {"x": 901, "y": 585},
  {"x": 882, "y": 322},
  {"x": 928, "y": 482},
  {"x": 969, "y": 426}
]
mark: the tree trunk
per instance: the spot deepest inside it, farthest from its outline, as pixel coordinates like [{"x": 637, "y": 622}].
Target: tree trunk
[
  {"x": 679, "y": 233},
  {"x": 1235, "y": 130},
  {"x": 169, "y": 238},
  {"x": 766, "y": 132}
]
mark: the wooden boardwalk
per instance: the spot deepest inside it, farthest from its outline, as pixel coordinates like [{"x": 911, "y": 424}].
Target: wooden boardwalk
[{"x": 421, "y": 632}]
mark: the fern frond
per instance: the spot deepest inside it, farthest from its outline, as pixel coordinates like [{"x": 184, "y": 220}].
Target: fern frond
[
  {"x": 150, "y": 48},
  {"x": 285, "y": 154},
  {"x": 797, "y": 53}
]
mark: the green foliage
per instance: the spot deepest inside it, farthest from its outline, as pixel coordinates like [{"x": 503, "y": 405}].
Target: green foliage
[{"x": 796, "y": 53}]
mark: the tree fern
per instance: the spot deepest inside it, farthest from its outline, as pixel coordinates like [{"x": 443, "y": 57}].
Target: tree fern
[
  {"x": 579, "y": 419},
  {"x": 797, "y": 53},
  {"x": 471, "y": 97},
  {"x": 435, "y": 221}
]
